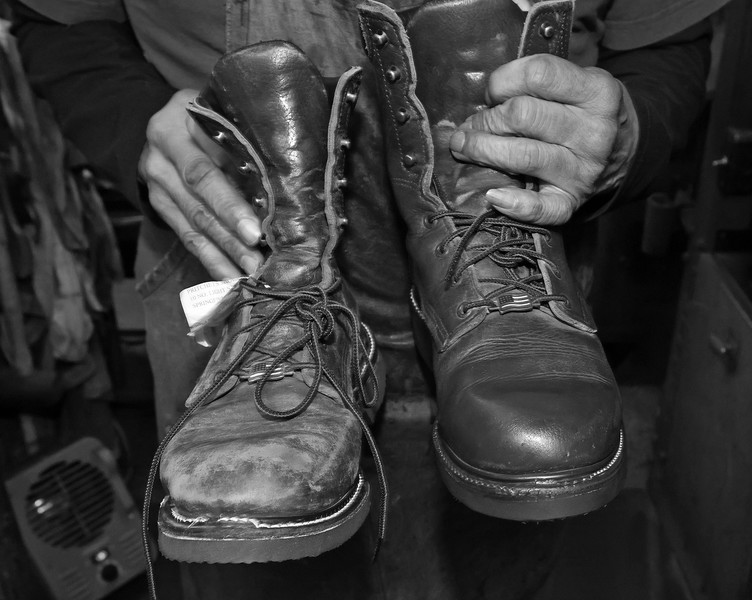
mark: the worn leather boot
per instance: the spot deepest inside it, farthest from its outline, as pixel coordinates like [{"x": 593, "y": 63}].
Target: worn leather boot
[
  {"x": 264, "y": 465},
  {"x": 529, "y": 415}
]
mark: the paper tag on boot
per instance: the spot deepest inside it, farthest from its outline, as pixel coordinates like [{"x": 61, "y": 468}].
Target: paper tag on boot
[{"x": 207, "y": 305}]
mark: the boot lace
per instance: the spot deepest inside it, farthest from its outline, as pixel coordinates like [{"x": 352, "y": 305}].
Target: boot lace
[
  {"x": 520, "y": 282},
  {"x": 317, "y": 313}
]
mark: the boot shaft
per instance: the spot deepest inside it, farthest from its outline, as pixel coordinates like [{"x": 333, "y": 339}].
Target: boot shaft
[
  {"x": 267, "y": 106},
  {"x": 433, "y": 69}
]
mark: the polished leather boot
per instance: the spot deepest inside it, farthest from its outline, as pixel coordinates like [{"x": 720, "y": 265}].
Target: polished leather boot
[
  {"x": 264, "y": 465},
  {"x": 529, "y": 415}
]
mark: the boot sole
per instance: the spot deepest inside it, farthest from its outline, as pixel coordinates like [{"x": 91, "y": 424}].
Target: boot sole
[
  {"x": 245, "y": 539},
  {"x": 541, "y": 499}
]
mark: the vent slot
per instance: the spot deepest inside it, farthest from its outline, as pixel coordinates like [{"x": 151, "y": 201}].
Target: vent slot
[{"x": 69, "y": 504}]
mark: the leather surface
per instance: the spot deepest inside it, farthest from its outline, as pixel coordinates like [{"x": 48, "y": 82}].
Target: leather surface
[
  {"x": 284, "y": 116},
  {"x": 267, "y": 106},
  {"x": 519, "y": 393},
  {"x": 230, "y": 458},
  {"x": 372, "y": 259}
]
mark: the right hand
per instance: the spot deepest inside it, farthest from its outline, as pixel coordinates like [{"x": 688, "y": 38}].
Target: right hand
[{"x": 182, "y": 169}]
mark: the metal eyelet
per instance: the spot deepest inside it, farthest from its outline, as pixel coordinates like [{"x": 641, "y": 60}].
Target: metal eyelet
[
  {"x": 219, "y": 137},
  {"x": 402, "y": 116},
  {"x": 547, "y": 30},
  {"x": 429, "y": 222},
  {"x": 440, "y": 250},
  {"x": 380, "y": 38},
  {"x": 408, "y": 160},
  {"x": 351, "y": 97},
  {"x": 341, "y": 182},
  {"x": 462, "y": 310},
  {"x": 345, "y": 144},
  {"x": 245, "y": 168},
  {"x": 393, "y": 74},
  {"x": 259, "y": 202}
]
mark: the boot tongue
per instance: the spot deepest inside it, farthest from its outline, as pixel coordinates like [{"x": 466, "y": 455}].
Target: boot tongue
[
  {"x": 277, "y": 100},
  {"x": 456, "y": 45}
]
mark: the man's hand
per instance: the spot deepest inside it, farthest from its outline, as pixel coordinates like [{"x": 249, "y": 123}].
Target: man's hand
[
  {"x": 573, "y": 128},
  {"x": 182, "y": 169}
]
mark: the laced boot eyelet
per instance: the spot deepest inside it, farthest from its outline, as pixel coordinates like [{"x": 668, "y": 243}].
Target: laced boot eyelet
[
  {"x": 393, "y": 74},
  {"x": 380, "y": 38},
  {"x": 429, "y": 222},
  {"x": 440, "y": 250},
  {"x": 402, "y": 116},
  {"x": 462, "y": 310},
  {"x": 546, "y": 30}
]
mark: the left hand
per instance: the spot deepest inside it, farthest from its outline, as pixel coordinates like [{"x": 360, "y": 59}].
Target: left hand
[{"x": 573, "y": 128}]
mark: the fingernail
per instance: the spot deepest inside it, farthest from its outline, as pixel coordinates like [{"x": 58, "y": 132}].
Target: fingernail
[
  {"x": 457, "y": 141},
  {"x": 249, "y": 231},
  {"x": 249, "y": 264},
  {"x": 501, "y": 198}
]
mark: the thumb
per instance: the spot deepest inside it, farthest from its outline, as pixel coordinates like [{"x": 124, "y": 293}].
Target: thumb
[{"x": 550, "y": 205}]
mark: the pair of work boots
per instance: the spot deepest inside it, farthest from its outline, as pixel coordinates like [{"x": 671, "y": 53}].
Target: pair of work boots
[{"x": 265, "y": 464}]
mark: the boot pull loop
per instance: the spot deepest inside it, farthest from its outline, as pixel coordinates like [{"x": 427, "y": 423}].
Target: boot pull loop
[{"x": 547, "y": 29}]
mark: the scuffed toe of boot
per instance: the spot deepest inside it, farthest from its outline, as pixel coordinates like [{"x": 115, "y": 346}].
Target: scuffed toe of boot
[
  {"x": 264, "y": 464},
  {"x": 255, "y": 489},
  {"x": 230, "y": 462}
]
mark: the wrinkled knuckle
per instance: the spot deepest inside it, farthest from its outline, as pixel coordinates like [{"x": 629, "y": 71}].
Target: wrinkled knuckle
[
  {"x": 146, "y": 164},
  {"x": 193, "y": 241},
  {"x": 200, "y": 217},
  {"x": 540, "y": 72},
  {"x": 536, "y": 210},
  {"x": 530, "y": 157},
  {"x": 556, "y": 212},
  {"x": 603, "y": 87},
  {"x": 519, "y": 110},
  {"x": 232, "y": 247},
  {"x": 150, "y": 168},
  {"x": 198, "y": 170},
  {"x": 492, "y": 120},
  {"x": 472, "y": 145},
  {"x": 154, "y": 129}
]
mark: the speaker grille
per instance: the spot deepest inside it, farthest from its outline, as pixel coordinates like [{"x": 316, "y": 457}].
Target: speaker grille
[{"x": 69, "y": 504}]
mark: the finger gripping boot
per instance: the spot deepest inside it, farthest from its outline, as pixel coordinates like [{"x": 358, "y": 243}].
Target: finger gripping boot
[
  {"x": 264, "y": 465},
  {"x": 529, "y": 414}
]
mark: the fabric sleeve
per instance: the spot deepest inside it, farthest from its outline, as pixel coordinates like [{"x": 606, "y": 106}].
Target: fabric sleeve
[
  {"x": 666, "y": 82},
  {"x": 101, "y": 88},
  {"x": 633, "y": 24}
]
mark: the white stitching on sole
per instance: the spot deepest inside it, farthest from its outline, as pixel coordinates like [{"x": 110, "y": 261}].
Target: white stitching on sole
[{"x": 261, "y": 524}]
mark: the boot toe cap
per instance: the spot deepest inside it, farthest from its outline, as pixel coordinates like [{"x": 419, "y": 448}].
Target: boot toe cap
[
  {"x": 226, "y": 465},
  {"x": 520, "y": 428}
]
